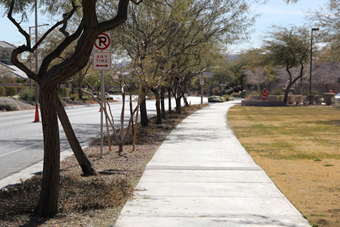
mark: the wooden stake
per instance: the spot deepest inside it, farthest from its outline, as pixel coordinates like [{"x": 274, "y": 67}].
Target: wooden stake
[{"x": 136, "y": 123}]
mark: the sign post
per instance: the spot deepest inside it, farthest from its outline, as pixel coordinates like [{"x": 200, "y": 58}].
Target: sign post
[
  {"x": 102, "y": 62},
  {"x": 202, "y": 83}
]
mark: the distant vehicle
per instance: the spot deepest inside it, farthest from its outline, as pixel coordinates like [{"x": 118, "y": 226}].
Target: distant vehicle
[{"x": 337, "y": 96}]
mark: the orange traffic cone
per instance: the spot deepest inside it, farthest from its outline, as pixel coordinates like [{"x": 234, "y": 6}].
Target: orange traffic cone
[
  {"x": 100, "y": 109},
  {"x": 36, "y": 118}
]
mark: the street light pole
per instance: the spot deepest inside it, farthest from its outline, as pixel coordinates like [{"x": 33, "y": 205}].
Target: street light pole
[
  {"x": 30, "y": 34},
  {"x": 36, "y": 118},
  {"x": 311, "y": 60}
]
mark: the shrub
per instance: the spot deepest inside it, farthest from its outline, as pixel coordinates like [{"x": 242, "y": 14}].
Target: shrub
[
  {"x": 280, "y": 98},
  {"x": 215, "y": 98},
  {"x": 74, "y": 97},
  {"x": 291, "y": 99},
  {"x": 63, "y": 91},
  {"x": 2, "y": 91},
  {"x": 27, "y": 95},
  {"x": 253, "y": 93},
  {"x": 228, "y": 98},
  {"x": 299, "y": 99},
  {"x": 11, "y": 91},
  {"x": 8, "y": 104}
]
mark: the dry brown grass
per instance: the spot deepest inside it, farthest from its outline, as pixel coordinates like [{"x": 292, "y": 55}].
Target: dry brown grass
[
  {"x": 299, "y": 148},
  {"x": 94, "y": 200}
]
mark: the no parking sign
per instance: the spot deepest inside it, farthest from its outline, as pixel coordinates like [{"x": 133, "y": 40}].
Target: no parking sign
[{"x": 103, "y": 42}]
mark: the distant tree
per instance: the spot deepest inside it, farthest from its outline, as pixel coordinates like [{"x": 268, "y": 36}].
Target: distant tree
[
  {"x": 288, "y": 49},
  {"x": 328, "y": 20},
  {"x": 256, "y": 73},
  {"x": 326, "y": 74}
]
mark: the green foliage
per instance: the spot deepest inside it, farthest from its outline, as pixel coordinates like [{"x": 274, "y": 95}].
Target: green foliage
[
  {"x": 2, "y": 91},
  {"x": 74, "y": 97},
  {"x": 253, "y": 93},
  {"x": 11, "y": 91},
  {"x": 63, "y": 91},
  {"x": 216, "y": 98},
  {"x": 27, "y": 95},
  {"x": 287, "y": 47},
  {"x": 6, "y": 78},
  {"x": 228, "y": 97}
]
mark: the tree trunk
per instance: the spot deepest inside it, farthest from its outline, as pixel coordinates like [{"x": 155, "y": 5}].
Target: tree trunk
[
  {"x": 158, "y": 106},
  {"x": 169, "y": 97},
  {"x": 178, "y": 105},
  {"x": 73, "y": 141},
  {"x": 287, "y": 92},
  {"x": 48, "y": 202},
  {"x": 186, "y": 101},
  {"x": 143, "y": 114},
  {"x": 162, "y": 102}
]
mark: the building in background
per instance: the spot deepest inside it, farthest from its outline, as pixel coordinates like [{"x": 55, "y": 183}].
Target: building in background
[{"x": 7, "y": 69}]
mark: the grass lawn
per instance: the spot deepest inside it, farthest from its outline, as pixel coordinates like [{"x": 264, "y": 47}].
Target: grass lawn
[{"x": 299, "y": 148}]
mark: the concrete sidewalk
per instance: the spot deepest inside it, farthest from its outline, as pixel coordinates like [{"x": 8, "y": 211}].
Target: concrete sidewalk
[{"x": 202, "y": 176}]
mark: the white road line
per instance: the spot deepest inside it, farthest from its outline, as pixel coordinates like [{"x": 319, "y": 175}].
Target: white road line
[{"x": 11, "y": 152}]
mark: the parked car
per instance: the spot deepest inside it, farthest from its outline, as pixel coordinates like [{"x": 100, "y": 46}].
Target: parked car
[{"x": 337, "y": 96}]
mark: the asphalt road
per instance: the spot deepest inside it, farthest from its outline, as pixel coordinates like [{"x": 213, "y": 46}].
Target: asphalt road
[{"x": 21, "y": 143}]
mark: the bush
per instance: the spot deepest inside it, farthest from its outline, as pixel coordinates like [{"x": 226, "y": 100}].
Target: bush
[
  {"x": 11, "y": 91},
  {"x": 299, "y": 99},
  {"x": 228, "y": 98},
  {"x": 27, "y": 95},
  {"x": 2, "y": 91},
  {"x": 253, "y": 93},
  {"x": 215, "y": 98},
  {"x": 8, "y": 104},
  {"x": 291, "y": 100},
  {"x": 63, "y": 91},
  {"x": 74, "y": 97},
  {"x": 280, "y": 98}
]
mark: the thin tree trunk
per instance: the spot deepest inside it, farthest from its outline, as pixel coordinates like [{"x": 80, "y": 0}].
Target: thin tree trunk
[
  {"x": 178, "y": 105},
  {"x": 186, "y": 101},
  {"x": 48, "y": 202},
  {"x": 121, "y": 141},
  {"x": 169, "y": 97},
  {"x": 162, "y": 102},
  {"x": 73, "y": 140},
  {"x": 143, "y": 114},
  {"x": 158, "y": 106}
]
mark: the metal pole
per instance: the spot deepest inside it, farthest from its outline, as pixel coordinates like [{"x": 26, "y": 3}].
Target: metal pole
[
  {"x": 36, "y": 54},
  {"x": 201, "y": 88},
  {"x": 101, "y": 114},
  {"x": 311, "y": 60}
]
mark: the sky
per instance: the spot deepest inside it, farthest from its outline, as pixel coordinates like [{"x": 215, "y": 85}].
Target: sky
[{"x": 274, "y": 12}]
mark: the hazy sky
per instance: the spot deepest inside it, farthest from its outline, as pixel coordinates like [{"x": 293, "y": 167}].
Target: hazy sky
[{"x": 274, "y": 12}]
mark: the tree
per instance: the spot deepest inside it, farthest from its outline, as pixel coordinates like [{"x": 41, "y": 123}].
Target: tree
[
  {"x": 256, "y": 73},
  {"x": 49, "y": 76},
  {"x": 328, "y": 19},
  {"x": 288, "y": 49}
]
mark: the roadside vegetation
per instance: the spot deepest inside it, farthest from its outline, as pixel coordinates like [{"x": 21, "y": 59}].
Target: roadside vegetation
[
  {"x": 93, "y": 200},
  {"x": 299, "y": 149}
]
